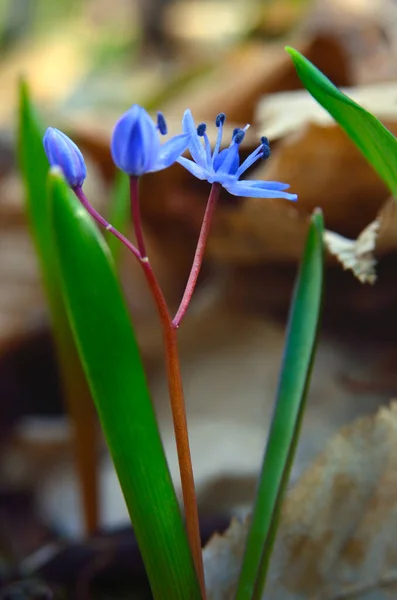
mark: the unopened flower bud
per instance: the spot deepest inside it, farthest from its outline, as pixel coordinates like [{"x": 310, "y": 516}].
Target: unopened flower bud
[
  {"x": 136, "y": 147},
  {"x": 135, "y": 142},
  {"x": 64, "y": 153}
]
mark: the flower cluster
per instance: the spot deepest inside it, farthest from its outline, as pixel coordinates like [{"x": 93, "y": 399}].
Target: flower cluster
[
  {"x": 223, "y": 166},
  {"x": 136, "y": 150}
]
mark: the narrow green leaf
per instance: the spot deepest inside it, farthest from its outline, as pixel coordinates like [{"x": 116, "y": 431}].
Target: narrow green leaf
[
  {"x": 377, "y": 144},
  {"x": 119, "y": 213},
  {"x": 290, "y": 403},
  {"x": 34, "y": 169},
  {"x": 107, "y": 347}
]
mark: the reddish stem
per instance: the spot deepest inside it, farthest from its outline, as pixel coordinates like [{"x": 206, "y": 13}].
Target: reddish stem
[
  {"x": 177, "y": 399},
  {"x": 136, "y": 216},
  {"x": 178, "y": 410},
  {"x": 99, "y": 219},
  {"x": 173, "y": 374},
  {"x": 199, "y": 254}
]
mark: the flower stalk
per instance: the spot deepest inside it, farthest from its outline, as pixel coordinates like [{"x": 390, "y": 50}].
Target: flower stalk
[
  {"x": 101, "y": 221},
  {"x": 136, "y": 217},
  {"x": 174, "y": 378},
  {"x": 176, "y": 394},
  {"x": 199, "y": 254}
]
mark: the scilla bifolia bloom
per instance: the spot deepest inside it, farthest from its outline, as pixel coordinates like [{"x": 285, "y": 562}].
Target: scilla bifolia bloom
[
  {"x": 64, "y": 153},
  {"x": 224, "y": 167},
  {"x": 136, "y": 147},
  {"x": 136, "y": 150}
]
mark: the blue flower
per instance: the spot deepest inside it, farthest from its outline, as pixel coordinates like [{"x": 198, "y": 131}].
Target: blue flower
[
  {"x": 64, "y": 153},
  {"x": 136, "y": 147},
  {"x": 224, "y": 166}
]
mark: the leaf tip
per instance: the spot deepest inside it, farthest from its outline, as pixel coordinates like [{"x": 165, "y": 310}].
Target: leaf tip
[
  {"x": 294, "y": 54},
  {"x": 24, "y": 92},
  {"x": 23, "y": 98},
  {"x": 317, "y": 218}
]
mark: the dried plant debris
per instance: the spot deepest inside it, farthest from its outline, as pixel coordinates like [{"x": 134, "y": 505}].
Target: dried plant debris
[
  {"x": 356, "y": 255},
  {"x": 365, "y": 29},
  {"x": 283, "y": 113},
  {"x": 387, "y": 237},
  {"x": 379, "y": 237},
  {"x": 222, "y": 560},
  {"x": 339, "y": 524}
]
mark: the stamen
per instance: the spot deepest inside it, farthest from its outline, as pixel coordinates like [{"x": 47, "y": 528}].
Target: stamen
[
  {"x": 220, "y": 119},
  {"x": 265, "y": 148},
  {"x": 201, "y": 129},
  {"x": 249, "y": 161},
  {"x": 161, "y": 124},
  {"x": 239, "y": 136},
  {"x": 208, "y": 151},
  {"x": 238, "y": 131},
  {"x": 219, "y": 122}
]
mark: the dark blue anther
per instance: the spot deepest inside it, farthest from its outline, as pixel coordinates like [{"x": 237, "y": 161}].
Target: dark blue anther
[
  {"x": 161, "y": 124},
  {"x": 201, "y": 129},
  {"x": 238, "y": 135},
  {"x": 220, "y": 119},
  {"x": 265, "y": 148}
]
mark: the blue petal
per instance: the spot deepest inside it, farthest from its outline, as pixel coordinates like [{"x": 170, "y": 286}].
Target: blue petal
[
  {"x": 229, "y": 160},
  {"x": 170, "y": 151},
  {"x": 194, "y": 168},
  {"x": 220, "y": 159},
  {"x": 150, "y": 140},
  {"x": 124, "y": 129},
  {"x": 239, "y": 189},
  {"x": 196, "y": 148},
  {"x": 269, "y": 185}
]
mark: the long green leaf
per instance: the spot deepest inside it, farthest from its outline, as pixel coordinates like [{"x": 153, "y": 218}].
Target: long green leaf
[
  {"x": 34, "y": 168},
  {"x": 378, "y": 144},
  {"x": 107, "y": 347},
  {"x": 290, "y": 403}
]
